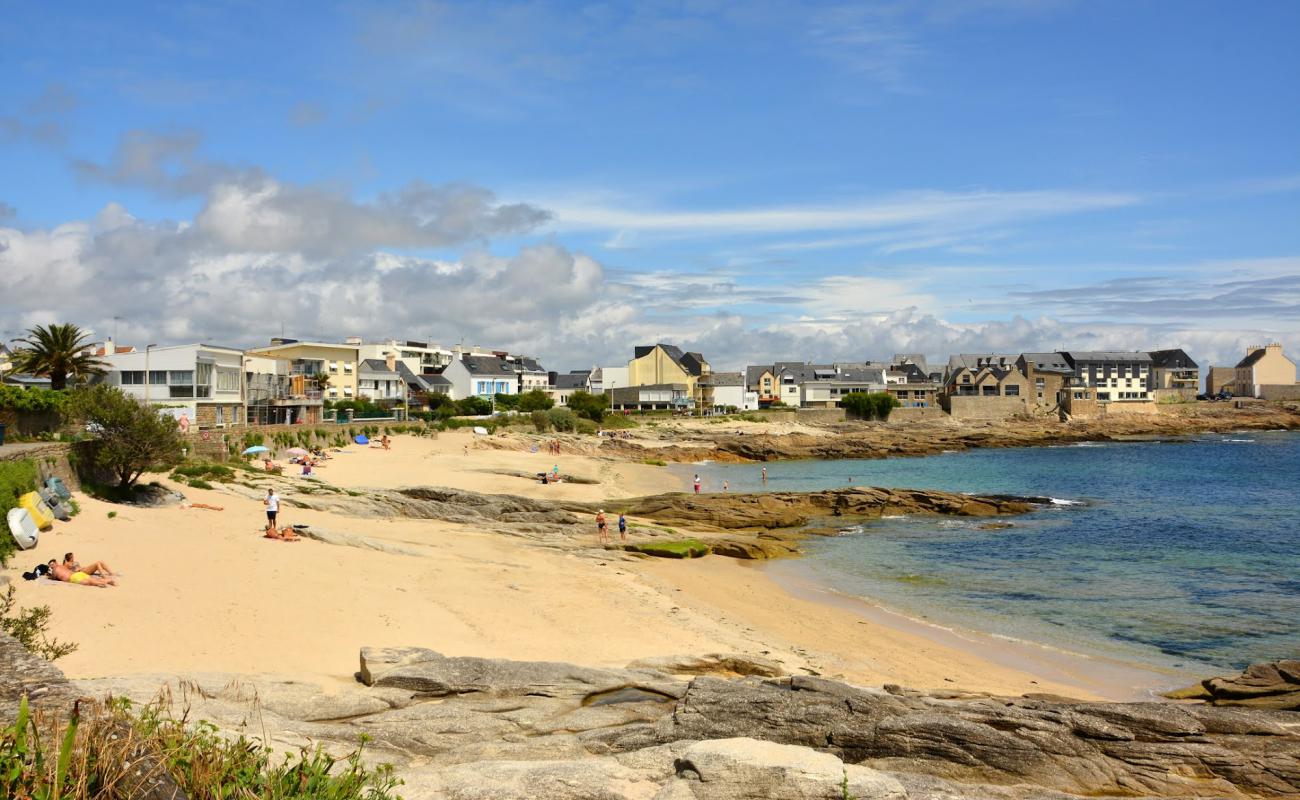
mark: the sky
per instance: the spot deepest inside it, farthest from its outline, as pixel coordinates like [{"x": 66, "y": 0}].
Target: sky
[{"x": 757, "y": 181}]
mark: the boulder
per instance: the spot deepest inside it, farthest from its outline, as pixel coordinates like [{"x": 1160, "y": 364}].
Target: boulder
[
  {"x": 750, "y": 769},
  {"x": 712, "y": 664},
  {"x": 588, "y": 779},
  {"x": 1274, "y": 685}
]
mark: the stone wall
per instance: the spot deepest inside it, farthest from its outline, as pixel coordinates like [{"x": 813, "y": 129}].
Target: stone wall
[
  {"x": 51, "y": 460},
  {"x": 905, "y": 416},
  {"x": 986, "y": 407},
  {"x": 1131, "y": 409},
  {"x": 1279, "y": 391},
  {"x": 820, "y": 415}
]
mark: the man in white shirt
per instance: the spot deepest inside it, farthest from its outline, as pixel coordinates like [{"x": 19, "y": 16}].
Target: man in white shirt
[{"x": 272, "y": 503}]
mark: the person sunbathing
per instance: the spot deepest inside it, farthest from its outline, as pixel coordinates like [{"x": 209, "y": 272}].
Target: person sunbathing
[
  {"x": 271, "y": 466},
  {"x": 285, "y": 534},
  {"x": 61, "y": 573},
  {"x": 98, "y": 568}
]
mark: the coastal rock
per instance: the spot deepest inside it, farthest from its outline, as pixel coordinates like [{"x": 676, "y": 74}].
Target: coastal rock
[
  {"x": 1273, "y": 685},
  {"x": 430, "y": 673},
  {"x": 750, "y": 769},
  {"x": 547, "y": 780},
  {"x": 712, "y": 664}
]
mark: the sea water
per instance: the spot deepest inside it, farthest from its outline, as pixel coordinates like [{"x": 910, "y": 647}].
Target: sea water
[{"x": 1180, "y": 554}]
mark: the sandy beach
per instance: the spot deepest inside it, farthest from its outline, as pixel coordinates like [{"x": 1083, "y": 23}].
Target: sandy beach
[{"x": 202, "y": 591}]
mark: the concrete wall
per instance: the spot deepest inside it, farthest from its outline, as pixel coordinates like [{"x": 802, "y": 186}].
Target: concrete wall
[
  {"x": 821, "y": 415},
  {"x": 1279, "y": 391},
  {"x": 986, "y": 407},
  {"x": 1130, "y": 409},
  {"x": 905, "y": 416}
]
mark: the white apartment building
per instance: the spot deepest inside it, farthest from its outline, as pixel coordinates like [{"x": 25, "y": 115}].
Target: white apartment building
[
  {"x": 201, "y": 385},
  {"x": 1115, "y": 376}
]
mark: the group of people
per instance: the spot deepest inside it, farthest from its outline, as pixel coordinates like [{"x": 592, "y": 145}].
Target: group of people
[
  {"x": 96, "y": 574},
  {"x": 273, "y": 531},
  {"x": 602, "y": 527}
]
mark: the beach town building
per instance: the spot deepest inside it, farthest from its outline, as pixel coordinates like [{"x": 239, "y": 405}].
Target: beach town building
[
  {"x": 667, "y": 365},
  {"x": 272, "y": 396},
  {"x": 761, "y": 380},
  {"x": 1115, "y": 377},
  {"x": 420, "y": 386},
  {"x": 1263, "y": 372},
  {"x": 419, "y": 357},
  {"x": 729, "y": 393},
  {"x": 1218, "y": 380},
  {"x": 974, "y": 362},
  {"x": 1173, "y": 376},
  {"x": 910, "y": 384},
  {"x": 198, "y": 384},
  {"x": 652, "y": 397},
  {"x": 1048, "y": 375},
  {"x": 605, "y": 378},
  {"x": 532, "y": 375},
  {"x": 379, "y": 381},
  {"x": 337, "y": 362},
  {"x": 564, "y": 384},
  {"x": 485, "y": 376}
]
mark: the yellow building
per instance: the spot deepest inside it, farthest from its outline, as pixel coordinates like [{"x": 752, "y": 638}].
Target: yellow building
[
  {"x": 1263, "y": 366},
  {"x": 661, "y": 364},
  {"x": 309, "y": 359}
]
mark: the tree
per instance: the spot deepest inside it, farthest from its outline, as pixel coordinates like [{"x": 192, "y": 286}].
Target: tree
[
  {"x": 130, "y": 437},
  {"x": 562, "y": 419},
  {"x": 534, "y": 400},
  {"x": 322, "y": 380},
  {"x": 59, "y": 352},
  {"x": 473, "y": 406},
  {"x": 591, "y": 406},
  {"x": 506, "y": 402},
  {"x": 869, "y": 405}
]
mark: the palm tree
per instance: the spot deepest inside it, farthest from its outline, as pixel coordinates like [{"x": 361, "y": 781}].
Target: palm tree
[
  {"x": 58, "y": 351},
  {"x": 322, "y": 380}
]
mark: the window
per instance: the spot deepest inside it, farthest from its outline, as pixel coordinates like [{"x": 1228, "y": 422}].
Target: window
[
  {"x": 1103, "y": 395},
  {"x": 227, "y": 379},
  {"x": 157, "y": 377},
  {"x": 334, "y": 366},
  {"x": 347, "y": 366},
  {"x": 221, "y": 415},
  {"x": 1011, "y": 390},
  {"x": 133, "y": 377},
  {"x": 180, "y": 377},
  {"x": 989, "y": 391}
]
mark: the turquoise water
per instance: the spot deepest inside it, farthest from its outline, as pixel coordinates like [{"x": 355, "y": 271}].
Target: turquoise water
[{"x": 1182, "y": 554}]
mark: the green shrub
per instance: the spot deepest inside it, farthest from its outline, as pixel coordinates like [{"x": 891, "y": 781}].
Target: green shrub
[
  {"x": 534, "y": 400},
  {"x": 869, "y": 405},
  {"x": 29, "y": 626},
  {"x": 618, "y": 422},
  {"x": 541, "y": 421},
  {"x": 199, "y": 483},
  {"x": 205, "y": 469},
  {"x": 654, "y": 462},
  {"x": 562, "y": 419},
  {"x": 17, "y": 478},
  {"x": 591, "y": 406}
]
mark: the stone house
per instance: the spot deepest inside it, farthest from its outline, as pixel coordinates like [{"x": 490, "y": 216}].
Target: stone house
[
  {"x": 1263, "y": 366},
  {"x": 1173, "y": 375},
  {"x": 1048, "y": 375}
]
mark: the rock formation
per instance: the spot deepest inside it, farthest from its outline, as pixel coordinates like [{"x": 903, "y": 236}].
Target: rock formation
[
  {"x": 1274, "y": 685},
  {"x": 688, "y": 728}
]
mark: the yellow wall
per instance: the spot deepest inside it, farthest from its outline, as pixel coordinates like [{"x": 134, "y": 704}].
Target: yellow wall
[
  {"x": 344, "y": 358},
  {"x": 1273, "y": 368},
  {"x": 656, "y": 367}
]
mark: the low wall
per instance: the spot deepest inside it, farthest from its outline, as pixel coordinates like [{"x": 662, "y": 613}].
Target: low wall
[
  {"x": 29, "y": 423},
  {"x": 1131, "y": 409},
  {"x": 51, "y": 459},
  {"x": 986, "y": 407},
  {"x": 1279, "y": 391},
  {"x": 905, "y": 415},
  {"x": 820, "y": 415}
]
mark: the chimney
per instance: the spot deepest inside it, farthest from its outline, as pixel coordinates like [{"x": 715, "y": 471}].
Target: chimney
[
  {"x": 109, "y": 348},
  {"x": 1252, "y": 348},
  {"x": 1273, "y": 347},
  {"x": 355, "y": 341},
  {"x": 390, "y": 360}
]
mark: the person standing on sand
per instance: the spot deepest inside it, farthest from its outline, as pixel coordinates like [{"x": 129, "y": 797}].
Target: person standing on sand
[
  {"x": 602, "y": 527},
  {"x": 272, "y": 503},
  {"x": 697, "y": 483},
  {"x": 622, "y": 527}
]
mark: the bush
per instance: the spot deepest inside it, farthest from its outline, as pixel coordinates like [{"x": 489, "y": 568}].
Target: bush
[
  {"x": 591, "y": 406},
  {"x": 17, "y": 478},
  {"x": 541, "y": 421},
  {"x": 111, "y": 751},
  {"x": 204, "y": 469},
  {"x": 873, "y": 405},
  {"x": 535, "y": 400},
  {"x": 28, "y": 626},
  {"x": 130, "y": 437},
  {"x": 562, "y": 419},
  {"x": 618, "y": 421}
]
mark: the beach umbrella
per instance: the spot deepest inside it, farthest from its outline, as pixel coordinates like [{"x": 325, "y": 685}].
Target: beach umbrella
[
  {"x": 361, "y": 439},
  {"x": 296, "y": 451},
  {"x": 257, "y": 448}
]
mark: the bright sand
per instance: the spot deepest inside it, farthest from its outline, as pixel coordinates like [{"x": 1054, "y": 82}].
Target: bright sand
[{"x": 203, "y": 591}]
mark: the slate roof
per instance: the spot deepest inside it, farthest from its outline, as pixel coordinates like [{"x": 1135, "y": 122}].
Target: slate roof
[
  {"x": 27, "y": 380},
  {"x": 425, "y": 382},
  {"x": 572, "y": 380},
  {"x": 1172, "y": 359},
  {"x": 725, "y": 379},
  {"x": 973, "y": 361},
  {"x": 529, "y": 364},
  {"x": 378, "y": 366},
  {"x": 487, "y": 365},
  {"x": 1048, "y": 362},
  {"x": 1252, "y": 359},
  {"x": 1106, "y": 355},
  {"x": 752, "y": 374},
  {"x": 913, "y": 372}
]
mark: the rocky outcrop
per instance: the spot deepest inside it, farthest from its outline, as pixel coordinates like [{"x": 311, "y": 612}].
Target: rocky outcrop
[
  {"x": 460, "y": 727},
  {"x": 1273, "y": 685}
]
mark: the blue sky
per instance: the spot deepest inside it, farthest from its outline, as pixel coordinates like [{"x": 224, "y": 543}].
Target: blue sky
[{"x": 756, "y": 181}]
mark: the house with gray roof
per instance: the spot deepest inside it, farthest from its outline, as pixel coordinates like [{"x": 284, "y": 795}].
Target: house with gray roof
[
  {"x": 1174, "y": 375},
  {"x": 484, "y": 376},
  {"x": 1114, "y": 376},
  {"x": 379, "y": 380}
]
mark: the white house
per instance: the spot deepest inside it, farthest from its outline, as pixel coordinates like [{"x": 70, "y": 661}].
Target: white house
[
  {"x": 605, "y": 378},
  {"x": 481, "y": 376},
  {"x": 378, "y": 380},
  {"x": 202, "y": 383},
  {"x": 419, "y": 357},
  {"x": 729, "y": 392}
]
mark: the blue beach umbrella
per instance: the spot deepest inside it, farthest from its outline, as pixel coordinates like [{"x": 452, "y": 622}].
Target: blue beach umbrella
[
  {"x": 361, "y": 439},
  {"x": 257, "y": 448}
]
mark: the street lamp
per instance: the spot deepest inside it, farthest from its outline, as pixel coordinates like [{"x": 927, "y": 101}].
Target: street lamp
[{"x": 148, "y": 379}]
